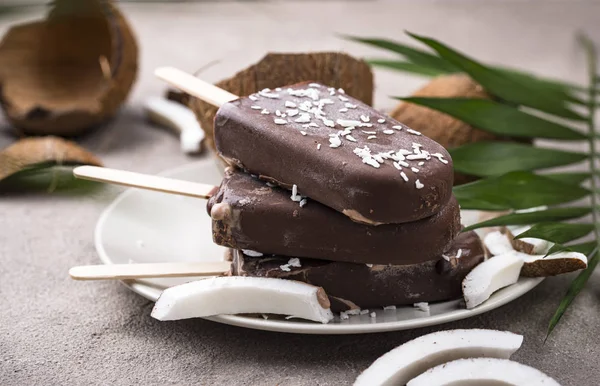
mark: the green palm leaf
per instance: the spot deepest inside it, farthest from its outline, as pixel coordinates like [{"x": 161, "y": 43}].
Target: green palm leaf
[
  {"x": 516, "y": 190},
  {"x": 495, "y": 158},
  {"x": 580, "y": 281},
  {"x": 558, "y": 232},
  {"x": 551, "y": 214},
  {"x": 498, "y": 118},
  {"x": 414, "y": 55},
  {"x": 569, "y": 178},
  {"x": 406, "y": 67},
  {"x": 502, "y": 86}
]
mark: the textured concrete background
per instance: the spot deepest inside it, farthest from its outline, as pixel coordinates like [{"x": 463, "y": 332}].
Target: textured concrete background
[{"x": 54, "y": 331}]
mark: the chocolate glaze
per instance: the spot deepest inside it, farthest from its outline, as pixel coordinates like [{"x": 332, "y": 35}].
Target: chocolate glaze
[
  {"x": 248, "y": 214},
  {"x": 335, "y": 177},
  {"x": 358, "y": 285}
]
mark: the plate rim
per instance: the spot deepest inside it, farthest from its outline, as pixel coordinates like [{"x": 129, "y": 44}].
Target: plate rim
[{"x": 148, "y": 291}]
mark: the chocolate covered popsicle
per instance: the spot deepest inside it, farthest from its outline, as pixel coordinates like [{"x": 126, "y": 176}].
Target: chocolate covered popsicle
[
  {"x": 249, "y": 214},
  {"x": 363, "y": 285},
  {"x": 337, "y": 151}
]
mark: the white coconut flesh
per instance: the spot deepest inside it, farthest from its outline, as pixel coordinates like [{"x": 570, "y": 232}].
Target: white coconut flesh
[
  {"x": 497, "y": 243},
  {"x": 412, "y": 358},
  {"x": 483, "y": 372},
  {"x": 179, "y": 119},
  {"x": 489, "y": 276},
  {"x": 241, "y": 295}
]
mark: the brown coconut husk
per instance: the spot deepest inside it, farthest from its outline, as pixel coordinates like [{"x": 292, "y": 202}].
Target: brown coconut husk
[
  {"x": 30, "y": 152},
  {"x": 333, "y": 69},
  {"x": 69, "y": 72},
  {"x": 551, "y": 267},
  {"x": 444, "y": 129}
]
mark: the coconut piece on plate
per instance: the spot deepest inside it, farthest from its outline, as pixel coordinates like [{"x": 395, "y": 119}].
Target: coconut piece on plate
[
  {"x": 552, "y": 265},
  {"x": 412, "y": 358},
  {"x": 483, "y": 371},
  {"x": 497, "y": 243},
  {"x": 489, "y": 276},
  {"x": 536, "y": 265},
  {"x": 527, "y": 245},
  {"x": 242, "y": 295}
]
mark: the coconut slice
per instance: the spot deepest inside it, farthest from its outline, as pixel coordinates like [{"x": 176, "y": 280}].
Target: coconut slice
[
  {"x": 70, "y": 71},
  {"x": 497, "y": 243},
  {"x": 489, "y": 276},
  {"x": 30, "y": 152},
  {"x": 242, "y": 295},
  {"x": 482, "y": 372},
  {"x": 412, "y": 358},
  {"x": 552, "y": 265},
  {"x": 178, "y": 118},
  {"x": 527, "y": 245},
  {"x": 536, "y": 265}
]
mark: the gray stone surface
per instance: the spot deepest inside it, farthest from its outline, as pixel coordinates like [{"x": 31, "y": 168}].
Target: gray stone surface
[{"x": 54, "y": 331}]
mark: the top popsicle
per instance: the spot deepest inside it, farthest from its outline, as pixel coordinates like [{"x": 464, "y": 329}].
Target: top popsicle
[{"x": 337, "y": 151}]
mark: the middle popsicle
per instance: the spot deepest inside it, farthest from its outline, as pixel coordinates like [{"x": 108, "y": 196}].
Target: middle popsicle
[
  {"x": 249, "y": 214},
  {"x": 337, "y": 151}
]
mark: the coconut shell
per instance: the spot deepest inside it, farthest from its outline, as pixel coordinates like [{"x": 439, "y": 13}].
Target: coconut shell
[
  {"x": 551, "y": 267},
  {"x": 31, "y": 152},
  {"x": 444, "y": 129},
  {"x": 69, "y": 72},
  {"x": 333, "y": 69}
]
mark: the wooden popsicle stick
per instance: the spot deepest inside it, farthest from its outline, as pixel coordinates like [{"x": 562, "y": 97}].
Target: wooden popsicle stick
[
  {"x": 144, "y": 181},
  {"x": 151, "y": 270},
  {"x": 196, "y": 87}
]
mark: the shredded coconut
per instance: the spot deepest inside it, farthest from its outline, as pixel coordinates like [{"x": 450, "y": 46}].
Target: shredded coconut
[
  {"x": 251, "y": 253},
  {"x": 335, "y": 141}
]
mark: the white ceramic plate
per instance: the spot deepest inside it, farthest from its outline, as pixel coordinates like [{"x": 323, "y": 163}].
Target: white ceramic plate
[{"x": 149, "y": 227}]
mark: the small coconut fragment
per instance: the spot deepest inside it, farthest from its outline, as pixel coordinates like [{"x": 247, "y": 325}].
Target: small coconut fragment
[
  {"x": 527, "y": 245},
  {"x": 69, "y": 72},
  {"x": 178, "y": 118},
  {"x": 243, "y": 295},
  {"x": 497, "y": 243},
  {"x": 483, "y": 371},
  {"x": 489, "y": 276},
  {"x": 552, "y": 265},
  {"x": 31, "y": 152},
  {"x": 333, "y": 69},
  {"x": 407, "y": 361}
]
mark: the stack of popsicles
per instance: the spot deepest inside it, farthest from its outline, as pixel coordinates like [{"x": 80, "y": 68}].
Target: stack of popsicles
[{"x": 326, "y": 190}]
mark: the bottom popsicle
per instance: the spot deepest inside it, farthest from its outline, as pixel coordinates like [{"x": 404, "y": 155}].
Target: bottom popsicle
[{"x": 361, "y": 286}]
